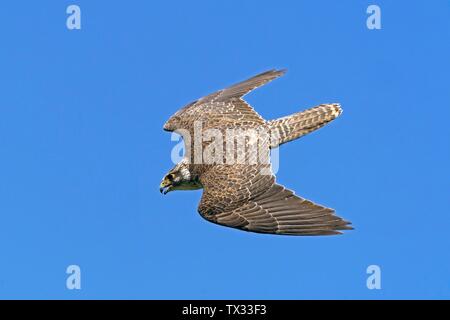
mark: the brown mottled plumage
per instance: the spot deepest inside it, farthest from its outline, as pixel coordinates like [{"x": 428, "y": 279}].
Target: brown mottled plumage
[{"x": 239, "y": 195}]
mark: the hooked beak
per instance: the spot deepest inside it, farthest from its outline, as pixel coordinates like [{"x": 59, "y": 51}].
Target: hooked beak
[{"x": 165, "y": 186}]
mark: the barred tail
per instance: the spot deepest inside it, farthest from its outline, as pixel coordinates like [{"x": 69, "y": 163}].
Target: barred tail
[{"x": 298, "y": 124}]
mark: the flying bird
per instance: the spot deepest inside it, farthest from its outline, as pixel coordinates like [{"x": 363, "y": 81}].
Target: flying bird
[{"x": 245, "y": 194}]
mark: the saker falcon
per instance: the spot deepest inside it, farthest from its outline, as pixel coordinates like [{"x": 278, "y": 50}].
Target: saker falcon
[{"x": 242, "y": 195}]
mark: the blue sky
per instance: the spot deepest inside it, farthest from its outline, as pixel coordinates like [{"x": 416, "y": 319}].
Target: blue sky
[{"x": 82, "y": 149}]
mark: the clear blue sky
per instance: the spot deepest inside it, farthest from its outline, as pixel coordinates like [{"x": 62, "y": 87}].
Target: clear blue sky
[{"x": 82, "y": 149}]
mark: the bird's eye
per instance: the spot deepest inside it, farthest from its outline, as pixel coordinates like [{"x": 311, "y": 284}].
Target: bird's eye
[{"x": 170, "y": 177}]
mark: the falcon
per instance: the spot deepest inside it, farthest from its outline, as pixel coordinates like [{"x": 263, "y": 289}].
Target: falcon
[{"x": 244, "y": 194}]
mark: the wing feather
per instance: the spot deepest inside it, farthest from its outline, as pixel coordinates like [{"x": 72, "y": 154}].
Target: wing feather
[
  {"x": 225, "y": 105},
  {"x": 270, "y": 209}
]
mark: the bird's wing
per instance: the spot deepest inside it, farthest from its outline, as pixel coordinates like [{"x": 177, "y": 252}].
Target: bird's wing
[
  {"x": 254, "y": 202},
  {"x": 240, "y": 89},
  {"x": 224, "y": 107}
]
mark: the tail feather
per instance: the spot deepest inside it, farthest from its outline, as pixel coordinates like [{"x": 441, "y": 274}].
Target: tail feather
[{"x": 298, "y": 124}]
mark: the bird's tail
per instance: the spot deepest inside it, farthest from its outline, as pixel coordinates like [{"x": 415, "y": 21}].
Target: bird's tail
[{"x": 298, "y": 124}]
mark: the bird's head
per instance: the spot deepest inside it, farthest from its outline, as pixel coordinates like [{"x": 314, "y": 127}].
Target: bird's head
[{"x": 179, "y": 178}]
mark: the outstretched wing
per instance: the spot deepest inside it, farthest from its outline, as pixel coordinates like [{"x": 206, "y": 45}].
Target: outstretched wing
[
  {"x": 260, "y": 205},
  {"x": 224, "y": 107},
  {"x": 240, "y": 89}
]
